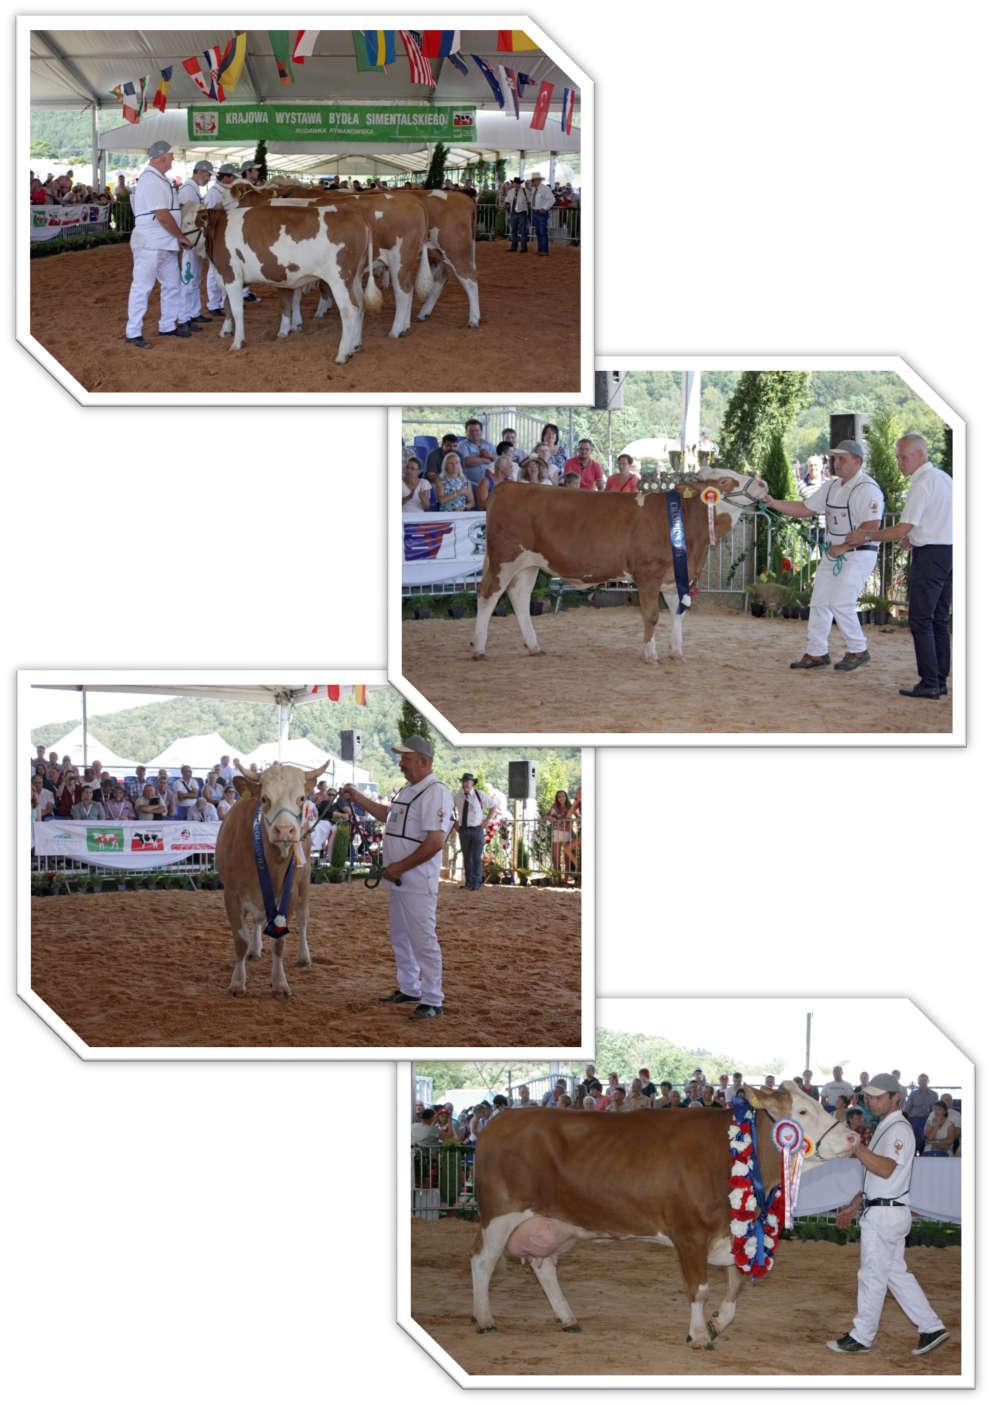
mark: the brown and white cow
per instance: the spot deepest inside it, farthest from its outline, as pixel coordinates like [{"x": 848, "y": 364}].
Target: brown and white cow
[
  {"x": 287, "y": 246},
  {"x": 280, "y": 792},
  {"x": 397, "y": 228},
  {"x": 451, "y": 219},
  {"x": 547, "y": 1179},
  {"x": 589, "y": 538}
]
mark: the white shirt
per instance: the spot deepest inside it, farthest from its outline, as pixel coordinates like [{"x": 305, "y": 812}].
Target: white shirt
[
  {"x": 952, "y": 1116},
  {"x": 478, "y": 805},
  {"x": 929, "y": 507},
  {"x": 831, "y": 1091},
  {"x": 190, "y": 193},
  {"x": 518, "y": 200},
  {"x": 542, "y": 196},
  {"x": 202, "y": 814},
  {"x": 214, "y": 197},
  {"x": 415, "y": 811},
  {"x": 894, "y": 1138},
  {"x": 153, "y": 192},
  {"x": 846, "y": 505}
]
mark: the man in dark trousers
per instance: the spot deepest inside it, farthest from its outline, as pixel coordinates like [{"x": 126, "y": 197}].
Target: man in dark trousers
[
  {"x": 927, "y": 527},
  {"x": 472, "y": 811}
]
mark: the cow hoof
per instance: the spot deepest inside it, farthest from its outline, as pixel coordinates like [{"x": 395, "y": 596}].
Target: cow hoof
[
  {"x": 253, "y": 956},
  {"x": 572, "y": 1327},
  {"x": 304, "y": 962},
  {"x": 676, "y": 658},
  {"x": 478, "y": 658},
  {"x": 474, "y": 324},
  {"x": 481, "y": 1330},
  {"x": 536, "y": 653},
  {"x": 236, "y": 990},
  {"x": 281, "y": 992}
]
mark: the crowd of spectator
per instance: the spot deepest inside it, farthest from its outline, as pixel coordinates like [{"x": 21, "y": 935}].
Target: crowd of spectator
[
  {"x": 935, "y": 1117},
  {"x": 61, "y": 790},
  {"x": 460, "y": 474},
  {"x": 66, "y": 190}
]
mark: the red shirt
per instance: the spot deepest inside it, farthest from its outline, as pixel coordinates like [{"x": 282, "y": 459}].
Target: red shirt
[
  {"x": 589, "y": 474},
  {"x": 614, "y": 485}
]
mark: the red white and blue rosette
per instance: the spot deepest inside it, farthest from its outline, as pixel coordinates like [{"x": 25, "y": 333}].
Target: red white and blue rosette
[{"x": 788, "y": 1137}]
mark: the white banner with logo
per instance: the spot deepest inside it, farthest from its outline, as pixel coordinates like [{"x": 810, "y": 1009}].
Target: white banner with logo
[
  {"x": 135, "y": 844},
  {"x": 934, "y": 1193},
  {"x": 442, "y": 546},
  {"x": 51, "y": 221}
]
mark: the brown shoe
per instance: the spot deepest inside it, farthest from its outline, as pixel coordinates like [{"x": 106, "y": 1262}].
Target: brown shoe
[
  {"x": 811, "y": 661},
  {"x": 851, "y": 661}
]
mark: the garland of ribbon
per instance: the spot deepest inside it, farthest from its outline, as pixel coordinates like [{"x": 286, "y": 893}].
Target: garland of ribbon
[{"x": 755, "y": 1220}]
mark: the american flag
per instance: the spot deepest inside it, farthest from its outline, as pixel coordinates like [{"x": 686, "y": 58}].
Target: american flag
[{"x": 419, "y": 69}]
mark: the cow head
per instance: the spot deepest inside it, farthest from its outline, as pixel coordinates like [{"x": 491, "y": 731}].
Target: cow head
[
  {"x": 193, "y": 216},
  {"x": 829, "y": 1139},
  {"x": 282, "y": 791},
  {"x": 740, "y": 492}
]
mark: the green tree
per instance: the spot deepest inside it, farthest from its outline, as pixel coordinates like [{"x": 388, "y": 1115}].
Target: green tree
[
  {"x": 552, "y": 776},
  {"x": 763, "y": 404},
  {"x": 946, "y": 455},
  {"x": 881, "y": 440},
  {"x": 261, "y": 160},
  {"x": 777, "y": 471},
  {"x": 339, "y": 849},
  {"x": 435, "y": 175},
  {"x": 412, "y": 723}
]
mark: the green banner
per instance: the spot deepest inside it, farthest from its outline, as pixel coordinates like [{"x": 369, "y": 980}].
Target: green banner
[
  {"x": 334, "y": 121},
  {"x": 105, "y": 841}
]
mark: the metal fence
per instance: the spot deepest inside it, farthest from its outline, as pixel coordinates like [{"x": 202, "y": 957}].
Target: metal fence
[
  {"x": 503, "y": 850},
  {"x": 563, "y": 226},
  {"x": 60, "y": 863}
]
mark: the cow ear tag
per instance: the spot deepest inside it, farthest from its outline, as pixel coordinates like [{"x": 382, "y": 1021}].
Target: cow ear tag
[{"x": 687, "y": 493}]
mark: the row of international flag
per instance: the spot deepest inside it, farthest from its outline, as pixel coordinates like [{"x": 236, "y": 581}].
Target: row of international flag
[
  {"x": 217, "y": 72},
  {"x": 334, "y": 692}
]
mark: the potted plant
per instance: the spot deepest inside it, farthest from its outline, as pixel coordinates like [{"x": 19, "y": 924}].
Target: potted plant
[{"x": 339, "y": 854}]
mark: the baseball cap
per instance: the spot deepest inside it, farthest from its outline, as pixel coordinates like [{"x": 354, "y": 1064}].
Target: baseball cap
[
  {"x": 227, "y": 170},
  {"x": 883, "y": 1083},
  {"x": 420, "y": 745},
  {"x": 249, "y": 166},
  {"x": 849, "y": 446},
  {"x": 203, "y": 166},
  {"x": 159, "y": 148}
]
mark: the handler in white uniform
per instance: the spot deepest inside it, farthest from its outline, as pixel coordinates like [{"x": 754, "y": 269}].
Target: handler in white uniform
[
  {"x": 155, "y": 241},
  {"x": 190, "y": 264},
  {"x": 849, "y": 500},
  {"x": 213, "y": 200},
  {"x": 884, "y": 1224},
  {"x": 416, "y": 825}
]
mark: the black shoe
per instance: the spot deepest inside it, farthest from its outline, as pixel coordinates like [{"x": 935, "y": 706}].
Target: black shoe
[
  {"x": 929, "y": 1341},
  {"x": 851, "y": 661},
  {"x": 398, "y": 997},
  {"x": 942, "y": 690},
  {"x": 138, "y": 341},
  {"x": 180, "y": 331},
  {"x": 192, "y": 325},
  {"x": 811, "y": 661},
  {"x": 426, "y": 1012},
  {"x": 202, "y": 317},
  {"x": 847, "y": 1344},
  {"x": 920, "y": 692}
]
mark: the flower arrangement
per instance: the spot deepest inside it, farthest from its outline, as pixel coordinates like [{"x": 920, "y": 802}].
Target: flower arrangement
[{"x": 755, "y": 1222}]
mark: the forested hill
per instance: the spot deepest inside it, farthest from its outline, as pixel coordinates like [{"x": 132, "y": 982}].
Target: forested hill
[
  {"x": 58, "y": 135},
  {"x": 652, "y": 407},
  {"x": 139, "y": 733}
]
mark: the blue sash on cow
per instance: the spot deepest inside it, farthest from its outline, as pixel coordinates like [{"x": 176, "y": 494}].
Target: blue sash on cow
[
  {"x": 676, "y": 526},
  {"x": 277, "y": 922}
]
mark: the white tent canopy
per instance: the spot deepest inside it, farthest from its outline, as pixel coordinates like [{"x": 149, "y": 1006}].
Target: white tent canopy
[
  {"x": 81, "y": 753},
  {"x": 651, "y": 448},
  {"x": 300, "y": 751},
  {"x": 200, "y": 752}
]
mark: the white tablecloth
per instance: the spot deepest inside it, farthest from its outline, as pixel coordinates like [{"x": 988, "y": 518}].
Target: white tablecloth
[{"x": 935, "y": 1191}]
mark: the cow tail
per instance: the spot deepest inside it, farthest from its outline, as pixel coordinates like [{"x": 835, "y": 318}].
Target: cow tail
[
  {"x": 373, "y": 298},
  {"x": 424, "y": 277}
]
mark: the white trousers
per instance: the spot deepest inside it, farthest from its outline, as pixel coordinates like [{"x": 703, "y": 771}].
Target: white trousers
[
  {"x": 835, "y": 598},
  {"x": 153, "y": 266},
  {"x": 190, "y": 271},
  {"x": 883, "y": 1269},
  {"x": 214, "y": 290},
  {"x": 413, "y": 933}
]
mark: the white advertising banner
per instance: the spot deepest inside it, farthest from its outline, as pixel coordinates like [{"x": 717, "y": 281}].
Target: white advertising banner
[
  {"x": 50, "y": 221},
  {"x": 442, "y": 546},
  {"x": 934, "y": 1193},
  {"x": 124, "y": 843}
]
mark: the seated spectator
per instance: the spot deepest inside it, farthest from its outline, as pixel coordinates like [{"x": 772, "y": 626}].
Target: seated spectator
[
  {"x": 202, "y": 812},
  {"x": 416, "y": 490},
  {"x": 509, "y": 444},
  {"x": 475, "y": 452},
  {"x": 523, "y": 1097},
  {"x": 529, "y": 471},
  {"x": 454, "y": 492},
  {"x": 617, "y": 1100},
  {"x": 663, "y": 1095},
  {"x": 952, "y": 1114},
  {"x": 42, "y": 800},
  {"x": 551, "y": 1096},
  {"x": 88, "y": 808},
  {"x": 186, "y": 789},
  {"x": 636, "y": 1102},
  {"x": 590, "y": 475},
  {"x": 118, "y": 807},
  {"x": 485, "y": 485},
  {"x": 213, "y": 787},
  {"x": 550, "y": 437},
  {"x": 39, "y": 195},
  {"x": 166, "y": 795},
  {"x": 447, "y": 445},
  {"x": 228, "y": 802},
  {"x": 134, "y": 785},
  {"x": 590, "y": 1104},
  {"x": 151, "y": 804},
  {"x": 549, "y": 471},
  {"x": 841, "y": 1108},
  {"x": 626, "y": 479},
  {"x": 856, "y": 1121},
  {"x": 708, "y": 1094},
  {"x": 572, "y": 480},
  {"x": 939, "y": 1134}
]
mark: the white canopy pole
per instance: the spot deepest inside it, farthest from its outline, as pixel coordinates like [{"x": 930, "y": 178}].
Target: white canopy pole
[
  {"x": 550, "y": 168},
  {"x": 691, "y": 413},
  {"x": 285, "y": 711},
  {"x": 85, "y": 731}
]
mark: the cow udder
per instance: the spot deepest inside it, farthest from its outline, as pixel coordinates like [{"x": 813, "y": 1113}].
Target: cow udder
[{"x": 538, "y": 1238}]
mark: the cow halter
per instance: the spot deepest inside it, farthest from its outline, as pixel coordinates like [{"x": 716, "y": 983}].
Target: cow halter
[
  {"x": 743, "y": 491},
  {"x": 826, "y": 1134}
]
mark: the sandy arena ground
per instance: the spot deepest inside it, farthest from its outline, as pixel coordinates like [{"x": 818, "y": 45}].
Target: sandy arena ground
[
  {"x": 79, "y": 305},
  {"x": 735, "y": 677},
  {"x": 632, "y": 1306},
  {"x": 151, "y": 968}
]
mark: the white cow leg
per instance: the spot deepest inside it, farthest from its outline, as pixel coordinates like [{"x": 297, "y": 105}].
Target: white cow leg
[
  {"x": 239, "y": 976},
  {"x": 235, "y": 301},
  {"x": 279, "y": 984},
  {"x": 698, "y": 1334},
  {"x": 670, "y": 593},
  {"x": 350, "y": 320},
  {"x": 492, "y": 1240},
  {"x": 484, "y": 605},
  {"x": 254, "y": 927},
  {"x": 470, "y": 286},
  {"x": 303, "y": 957},
  {"x": 404, "y": 311},
  {"x": 727, "y": 1308},
  {"x": 547, "y": 1278},
  {"x": 287, "y": 303},
  {"x": 520, "y": 589},
  {"x": 440, "y": 278},
  {"x": 297, "y": 310},
  {"x": 649, "y": 612}
]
